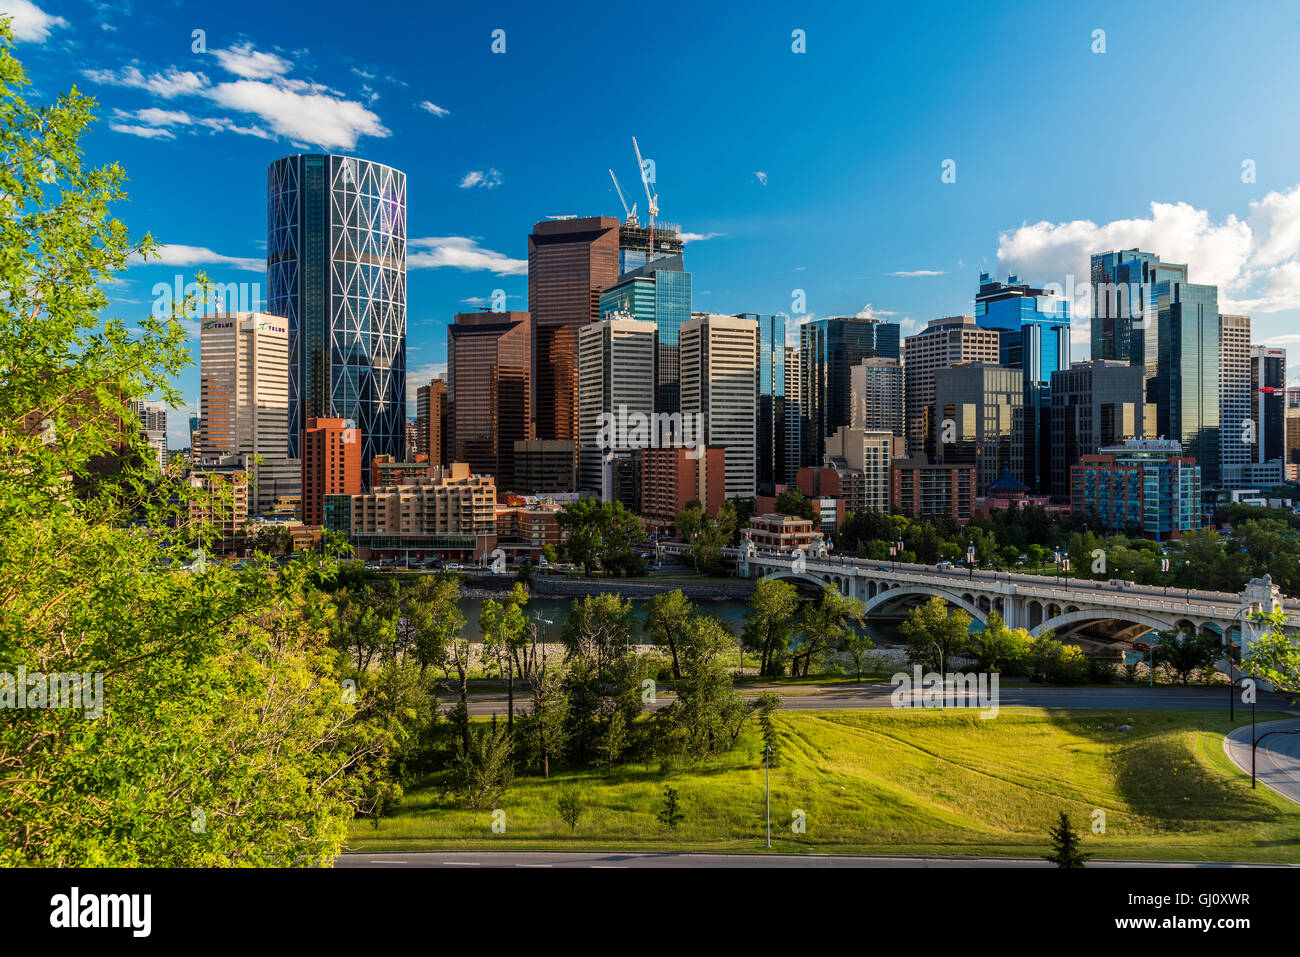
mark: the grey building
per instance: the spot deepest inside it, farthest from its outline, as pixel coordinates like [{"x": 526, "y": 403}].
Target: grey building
[
  {"x": 980, "y": 419},
  {"x": 1094, "y": 405}
]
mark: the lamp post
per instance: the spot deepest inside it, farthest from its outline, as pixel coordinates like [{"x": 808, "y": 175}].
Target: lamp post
[
  {"x": 767, "y": 784},
  {"x": 538, "y": 621},
  {"x": 943, "y": 684}
]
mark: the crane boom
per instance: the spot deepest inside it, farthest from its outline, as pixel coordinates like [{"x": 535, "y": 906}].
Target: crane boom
[
  {"x": 629, "y": 214},
  {"x": 651, "y": 200}
]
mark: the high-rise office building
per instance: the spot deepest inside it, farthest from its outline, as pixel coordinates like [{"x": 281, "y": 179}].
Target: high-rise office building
[
  {"x": 658, "y": 292},
  {"x": 489, "y": 391},
  {"x": 870, "y": 452},
  {"x": 830, "y": 348},
  {"x": 719, "y": 372},
  {"x": 1236, "y": 446},
  {"x": 979, "y": 411},
  {"x": 877, "y": 387},
  {"x": 1035, "y": 338},
  {"x": 336, "y": 270},
  {"x": 244, "y": 399},
  {"x": 431, "y": 419},
  {"x": 1120, "y": 290},
  {"x": 570, "y": 261},
  {"x": 1095, "y": 404},
  {"x": 634, "y": 247},
  {"x": 1182, "y": 355},
  {"x": 793, "y": 415},
  {"x": 770, "y": 450},
  {"x": 616, "y": 394},
  {"x": 331, "y": 465},
  {"x": 942, "y": 343},
  {"x": 1268, "y": 403}
]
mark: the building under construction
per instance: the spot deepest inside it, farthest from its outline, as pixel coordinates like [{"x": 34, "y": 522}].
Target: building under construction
[{"x": 634, "y": 243}]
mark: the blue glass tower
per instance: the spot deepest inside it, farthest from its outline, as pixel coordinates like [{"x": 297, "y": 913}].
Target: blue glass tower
[
  {"x": 1034, "y": 337},
  {"x": 770, "y": 435},
  {"x": 659, "y": 292},
  {"x": 336, "y": 270},
  {"x": 1120, "y": 281}
]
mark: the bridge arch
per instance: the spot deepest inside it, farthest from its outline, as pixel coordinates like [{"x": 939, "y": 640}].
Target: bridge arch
[
  {"x": 908, "y": 590},
  {"x": 804, "y": 579},
  {"x": 1127, "y": 616}
]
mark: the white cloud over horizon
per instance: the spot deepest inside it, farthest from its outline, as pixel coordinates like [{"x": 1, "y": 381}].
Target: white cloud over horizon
[
  {"x": 175, "y": 254},
  {"x": 460, "y": 252}
]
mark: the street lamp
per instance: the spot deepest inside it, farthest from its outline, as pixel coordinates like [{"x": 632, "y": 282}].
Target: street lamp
[{"x": 767, "y": 783}]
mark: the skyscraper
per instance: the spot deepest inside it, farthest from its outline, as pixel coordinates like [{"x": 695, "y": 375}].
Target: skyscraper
[
  {"x": 336, "y": 270},
  {"x": 244, "y": 398},
  {"x": 980, "y": 414},
  {"x": 1120, "y": 283},
  {"x": 615, "y": 386},
  {"x": 1094, "y": 404},
  {"x": 431, "y": 419},
  {"x": 793, "y": 415},
  {"x": 877, "y": 387},
  {"x": 658, "y": 292},
  {"x": 489, "y": 391},
  {"x": 942, "y": 343},
  {"x": 1268, "y": 403},
  {"x": 770, "y": 450},
  {"x": 570, "y": 261},
  {"x": 719, "y": 372},
  {"x": 1182, "y": 369},
  {"x": 1035, "y": 338},
  {"x": 830, "y": 348},
  {"x": 1236, "y": 397}
]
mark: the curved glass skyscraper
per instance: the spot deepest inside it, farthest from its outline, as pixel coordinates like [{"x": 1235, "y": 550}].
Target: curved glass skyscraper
[{"x": 336, "y": 270}]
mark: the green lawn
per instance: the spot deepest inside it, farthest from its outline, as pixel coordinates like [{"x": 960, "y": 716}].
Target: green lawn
[{"x": 907, "y": 782}]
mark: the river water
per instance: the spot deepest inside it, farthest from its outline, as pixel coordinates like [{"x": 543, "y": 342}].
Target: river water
[{"x": 730, "y": 610}]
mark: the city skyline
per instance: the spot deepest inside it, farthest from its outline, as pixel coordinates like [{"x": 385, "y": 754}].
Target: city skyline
[{"x": 864, "y": 224}]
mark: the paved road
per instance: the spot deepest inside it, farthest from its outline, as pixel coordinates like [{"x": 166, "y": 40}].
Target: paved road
[
  {"x": 623, "y": 859},
  {"x": 1277, "y": 760},
  {"x": 879, "y": 695}
]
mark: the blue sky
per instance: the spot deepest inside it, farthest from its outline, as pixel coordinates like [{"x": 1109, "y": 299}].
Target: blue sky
[{"x": 818, "y": 171}]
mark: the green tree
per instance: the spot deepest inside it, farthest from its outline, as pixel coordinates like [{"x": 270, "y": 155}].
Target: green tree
[
  {"x": 505, "y": 633},
  {"x": 670, "y": 814},
  {"x": 997, "y": 646},
  {"x": 823, "y": 625},
  {"x": 482, "y": 773},
  {"x": 667, "y": 616},
  {"x": 1066, "y": 850},
  {"x": 1275, "y": 655},
  {"x": 225, "y": 736},
  {"x": 932, "y": 630},
  {"x": 570, "y": 805},
  {"x": 769, "y": 622},
  {"x": 794, "y": 502},
  {"x": 766, "y": 707},
  {"x": 1185, "y": 653}
]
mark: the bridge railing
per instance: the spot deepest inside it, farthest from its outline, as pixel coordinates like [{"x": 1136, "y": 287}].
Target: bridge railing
[{"x": 1075, "y": 594}]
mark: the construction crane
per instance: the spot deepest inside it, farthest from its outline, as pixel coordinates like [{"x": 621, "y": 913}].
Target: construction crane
[
  {"x": 651, "y": 200},
  {"x": 630, "y": 214}
]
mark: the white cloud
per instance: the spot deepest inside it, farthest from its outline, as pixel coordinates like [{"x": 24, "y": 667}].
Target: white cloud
[
  {"x": 170, "y": 84},
  {"x": 294, "y": 109},
  {"x": 870, "y": 312},
  {"x": 175, "y": 254},
  {"x": 251, "y": 64},
  {"x": 30, "y": 22},
  {"x": 910, "y": 273},
  {"x": 147, "y": 132},
  {"x": 487, "y": 179},
  {"x": 460, "y": 252},
  {"x": 761, "y": 176},
  {"x": 433, "y": 108},
  {"x": 698, "y": 237},
  {"x": 418, "y": 378},
  {"x": 1255, "y": 260},
  {"x": 301, "y": 112}
]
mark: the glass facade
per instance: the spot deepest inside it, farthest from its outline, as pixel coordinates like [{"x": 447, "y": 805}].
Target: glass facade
[
  {"x": 1182, "y": 369},
  {"x": 660, "y": 293},
  {"x": 829, "y": 349},
  {"x": 771, "y": 450},
  {"x": 489, "y": 396},
  {"x": 1034, "y": 331},
  {"x": 336, "y": 270},
  {"x": 1120, "y": 284}
]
